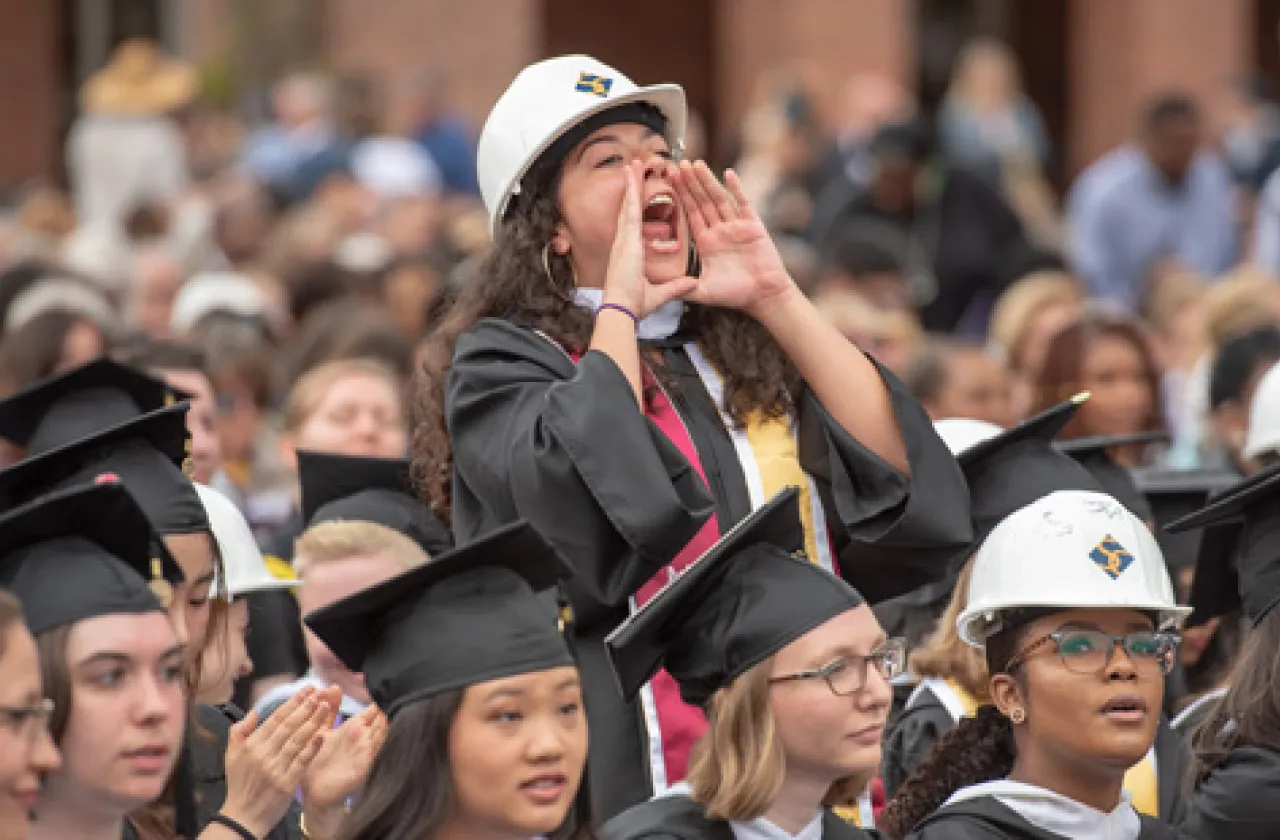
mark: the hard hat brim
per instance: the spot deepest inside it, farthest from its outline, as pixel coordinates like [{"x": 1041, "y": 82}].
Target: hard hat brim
[{"x": 975, "y": 625}]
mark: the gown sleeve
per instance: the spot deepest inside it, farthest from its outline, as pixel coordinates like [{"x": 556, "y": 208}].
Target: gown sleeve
[
  {"x": 910, "y": 742},
  {"x": 565, "y": 447},
  {"x": 1239, "y": 800},
  {"x": 894, "y": 532}
]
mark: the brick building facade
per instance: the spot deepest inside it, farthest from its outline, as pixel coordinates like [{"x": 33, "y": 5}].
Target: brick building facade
[{"x": 1088, "y": 63}]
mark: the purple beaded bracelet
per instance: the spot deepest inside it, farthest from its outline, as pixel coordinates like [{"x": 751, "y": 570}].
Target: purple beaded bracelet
[{"x": 620, "y": 308}]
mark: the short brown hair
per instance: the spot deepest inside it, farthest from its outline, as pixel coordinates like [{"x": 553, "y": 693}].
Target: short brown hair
[
  {"x": 1015, "y": 308},
  {"x": 10, "y": 612},
  {"x": 329, "y": 542},
  {"x": 308, "y": 392},
  {"x": 736, "y": 771}
]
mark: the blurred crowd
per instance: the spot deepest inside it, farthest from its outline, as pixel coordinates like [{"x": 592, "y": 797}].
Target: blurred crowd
[{"x": 251, "y": 263}]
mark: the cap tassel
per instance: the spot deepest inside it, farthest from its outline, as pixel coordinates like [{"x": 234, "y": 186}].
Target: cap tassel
[{"x": 160, "y": 587}]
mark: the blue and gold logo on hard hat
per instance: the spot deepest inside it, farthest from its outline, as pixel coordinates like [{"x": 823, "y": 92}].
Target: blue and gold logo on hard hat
[
  {"x": 1111, "y": 557},
  {"x": 593, "y": 84}
]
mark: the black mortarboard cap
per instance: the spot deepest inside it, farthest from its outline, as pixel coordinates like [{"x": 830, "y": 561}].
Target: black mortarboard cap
[
  {"x": 747, "y": 597},
  {"x": 1007, "y": 472},
  {"x": 468, "y": 616},
  {"x": 81, "y": 402},
  {"x": 340, "y": 487},
  {"x": 143, "y": 453},
  {"x": 83, "y": 552},
  {"x": 1093, "y": 453},
  {"x": 1173, "y": 494},
  {"x": 1242, "y": 524}
]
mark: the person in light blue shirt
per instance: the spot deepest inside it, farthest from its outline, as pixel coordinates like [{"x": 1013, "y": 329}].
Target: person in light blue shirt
[{"x": 1149, "y": 205}]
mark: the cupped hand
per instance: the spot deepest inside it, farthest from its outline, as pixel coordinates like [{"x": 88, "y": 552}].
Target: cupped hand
[{"x": 741, "y": 266}]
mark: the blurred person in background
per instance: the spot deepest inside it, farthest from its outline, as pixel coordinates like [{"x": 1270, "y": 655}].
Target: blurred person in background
[
  {"x": 1237, "y": 369},
  {"x": 989, "y": 126},
  {"x": 447, "y": 138},
  {"x": 891, "y": 337},
  {"x": 957, "y": 237},
  {"x": 867, "y": 102},
  {"x": 1109, "y": 356},
  {"x": 780, "y": 158},
  {"x": 1025, "y": 319},
  {"x": 410, "y": 288},
  {"x": 1251, "y": 132},
  {"x": 857, "y": 263},
  {"x": 302, "y": 130},
  {"x": 1157, "y": 203},
  {"x": 126, "y": 149},
  {"x": 956, "y": 378},
  {"x": 1174, "y": 310},
  {"x": 156, "y": 277},
  {"x": 54, "y": 340}
]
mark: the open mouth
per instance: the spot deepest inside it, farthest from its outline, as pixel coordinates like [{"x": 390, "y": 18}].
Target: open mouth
[
  {"x": 545, "y": 789},
  {"x": 1126, "y": 709},
  {"x": 658, "y": 224}
]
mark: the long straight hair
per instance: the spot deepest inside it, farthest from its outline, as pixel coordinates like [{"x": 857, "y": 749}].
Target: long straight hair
[{"x": 409, "y": 794}]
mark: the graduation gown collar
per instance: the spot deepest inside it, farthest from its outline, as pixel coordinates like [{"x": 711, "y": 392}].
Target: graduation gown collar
[
  {"x": 660, "y": 324},
  {"x": 1057, "y": 814}
]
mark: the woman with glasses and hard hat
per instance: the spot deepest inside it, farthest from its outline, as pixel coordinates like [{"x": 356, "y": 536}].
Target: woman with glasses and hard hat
[
  {"x": 633, "y": 371},
  {"x": 1237, "y": 744},
  {"x": 1070, "y": 601},
  {"x": 793, "y": 670},
  {"x": 1006, "y": 471}
]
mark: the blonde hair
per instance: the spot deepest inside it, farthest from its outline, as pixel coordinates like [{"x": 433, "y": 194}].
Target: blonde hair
[
  {"x": 1236, "y": 305},
  {"x": 342, "y": 539},
  {"x": 736, "y": 771},
  {"x": 309, "y": 391},
  {"x": 944, "y": 655},
  {"x": 1014, "y": 309}
]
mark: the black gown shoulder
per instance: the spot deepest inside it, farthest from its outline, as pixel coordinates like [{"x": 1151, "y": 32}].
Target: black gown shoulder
[
  {"x": 986, "y": 818},
  {"x": 1238, "y": 800},
  {"x": 911, "y": 739},
  {"x": 680, "y": 818},
  {"x": 209, "y": 769}
]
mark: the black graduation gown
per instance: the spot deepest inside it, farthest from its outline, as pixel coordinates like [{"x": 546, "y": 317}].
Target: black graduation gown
[
  {"x": 1238, "y": 800},
  {"x": 912, "y": 738},
  {"x": 210, "y": 771},
  {"x": 986, "y": 818},
  {"x": 538, "y": 437},
  {"x": 680, "y": 818}
]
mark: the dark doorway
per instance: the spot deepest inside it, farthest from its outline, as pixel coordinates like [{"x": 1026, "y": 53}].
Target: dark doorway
[
  {"x": 663, "y": 41},
  {"x": 1266, "y": 40}
]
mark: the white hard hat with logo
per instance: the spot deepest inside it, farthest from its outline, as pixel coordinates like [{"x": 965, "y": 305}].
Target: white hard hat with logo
[
  {"x": 1263, "y": 434},
  {"x": 1072, "y": 549},
  {"x": 546, "y": 100},
  {"x": 246, "y": 571}
]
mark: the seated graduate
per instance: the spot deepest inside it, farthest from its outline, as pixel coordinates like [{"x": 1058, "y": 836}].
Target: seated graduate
[
  {"x": 1006, "y": 471},
  {"x": 1237, "y": 745},
  {"x": 793, "y": 671},
  {"x": 362, "y": 524},
  {"x": 1071, "y": 602},
  {"x": 87, "y": 569},
  {"x": 487, "y": 734},
  {"x": 27, "y": 753}
]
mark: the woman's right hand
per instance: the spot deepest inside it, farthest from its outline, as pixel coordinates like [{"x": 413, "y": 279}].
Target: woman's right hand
[
  {"x": 625, "y": 282},
  {"x": 265, "y": 763}
]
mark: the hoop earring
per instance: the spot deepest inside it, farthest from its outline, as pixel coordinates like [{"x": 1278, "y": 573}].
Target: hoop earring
[
  {"x": 1018, "y": 716},
  {"x": 551, "y": 280}
]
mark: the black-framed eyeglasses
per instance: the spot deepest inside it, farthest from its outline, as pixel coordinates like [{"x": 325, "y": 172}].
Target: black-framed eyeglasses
[
  {"x": 1090, "y": 651},
  {"x": 848, "y": 674},
  {"x": 27, "y": 720}
]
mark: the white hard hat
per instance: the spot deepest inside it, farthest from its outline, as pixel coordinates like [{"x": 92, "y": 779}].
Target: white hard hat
[
  {"x": 1073, "y": 549},
  {"x": 1263, "y": 434},
  {"x": 961, "y": 433},
  {"x": 241, "y": 558},
  {"x": 546, "y": 100}
]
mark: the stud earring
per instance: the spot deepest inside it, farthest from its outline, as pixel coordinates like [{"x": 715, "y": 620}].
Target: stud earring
[{"x": 1018, "y": 716}]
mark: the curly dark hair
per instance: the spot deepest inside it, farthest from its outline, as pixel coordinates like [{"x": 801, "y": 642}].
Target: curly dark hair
[
  {"x": 978, "y": 749},
  {"x": 511, "y": 284}
]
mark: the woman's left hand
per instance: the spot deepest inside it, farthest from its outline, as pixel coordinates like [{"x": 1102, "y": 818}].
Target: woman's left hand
[
  {"x": 340, "y": 768},
  {"x": 741, "y": 267}
]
